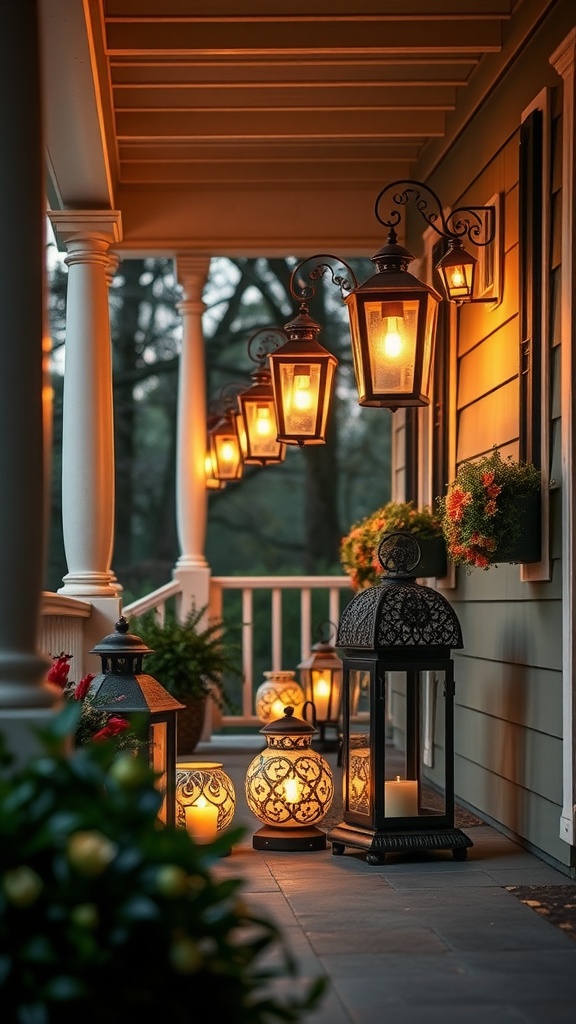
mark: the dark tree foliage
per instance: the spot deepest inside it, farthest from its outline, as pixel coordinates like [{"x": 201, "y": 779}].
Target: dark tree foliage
[{"x": 279, "y": 519}]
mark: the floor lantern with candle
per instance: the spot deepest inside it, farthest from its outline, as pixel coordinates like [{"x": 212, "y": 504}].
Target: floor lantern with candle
[
  {"x": 321, "y": 678},
  {"x": 124, "y": 686},
  {"x": 398, "y": 758},
  {"x": 205, "y": 799},
  {"x": 289, "y": 787}
]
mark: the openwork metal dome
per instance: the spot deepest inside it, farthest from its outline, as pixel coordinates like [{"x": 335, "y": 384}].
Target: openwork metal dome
[{"x": 399, "y": 612}]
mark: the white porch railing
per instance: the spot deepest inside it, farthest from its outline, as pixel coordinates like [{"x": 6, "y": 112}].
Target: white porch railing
[
  {"x": 320, "y": 599},
  {"x": 256, "y": 603}
]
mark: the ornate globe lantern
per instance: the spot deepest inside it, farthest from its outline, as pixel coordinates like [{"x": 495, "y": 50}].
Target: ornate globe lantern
[
  {"x": 289, "y": 787},
  {"x": 151, "y": 710},
  {"x": 398, "y": 714},
  {"x": 278, "y": 691},
  {"x": 205, "y": 799}
]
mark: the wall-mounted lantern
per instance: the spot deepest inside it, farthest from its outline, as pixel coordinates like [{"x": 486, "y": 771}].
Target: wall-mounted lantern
[{"x": 393, "y": 314}]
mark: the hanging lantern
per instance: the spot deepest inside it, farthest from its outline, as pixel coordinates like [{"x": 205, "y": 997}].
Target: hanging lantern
[
  {"x": 392, "y": 328},
  {"x": 302, "y": 380},
  {"x": 205, "y": 799},
  {"x": 321, "y": 679},
  {"x": 124, "y": 687},
  {"x": 225, "y": 448},
  {"x": 279, "y": 690},
  {"x": 289, "y": 787},
  {"x": 212, "y": 483},
  {"x": 397, "y": 637},
  {"x": 457, "y": 268},
  {"x": 393, "y": 314},
  {"x": 257, "y": 405}
]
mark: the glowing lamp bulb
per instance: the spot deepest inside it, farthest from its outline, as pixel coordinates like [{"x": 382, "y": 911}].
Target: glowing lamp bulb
[
  {"x": 393, "y": 344},
  {"x": 457, "y": 279},
  {"x": 263, "y": 421},
  {"x": 227, "y": 453},
  {"x": 301, "y": 388}
]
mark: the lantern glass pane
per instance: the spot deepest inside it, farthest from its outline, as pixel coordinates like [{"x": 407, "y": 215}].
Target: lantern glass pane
[
  {"x": 358, "y": 786},
  {"x": 262, "y": 428},
  {"x": 415, "y": 765},
  {"x": 226, "y": 455},
  {"x": 300, "y": 384},
  {"x": 158, "y": 753},
  {"x": 392, "y": 331}
]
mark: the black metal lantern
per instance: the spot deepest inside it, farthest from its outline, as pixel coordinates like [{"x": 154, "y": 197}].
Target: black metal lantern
[
  {"x": 124, "y": 688},
  {"x": 225, "y": 448},
  {"x": 398, "y": 714},
  {"x": 321, "y": 679},
  {"x": 303, "y": 374},
  {"x": 392, "y": 329},
  {"x": 393, "y": 314},
  {"x": 257, "y": 405}
]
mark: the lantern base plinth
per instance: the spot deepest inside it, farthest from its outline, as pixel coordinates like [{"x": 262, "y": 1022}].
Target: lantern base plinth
[
  {"x": 378, "y": 844},
  {"x": 270, "y": 838}
]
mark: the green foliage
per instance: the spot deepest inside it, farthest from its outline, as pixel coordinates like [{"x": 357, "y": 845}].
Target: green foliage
[
  {"x": 359, "y": 548},
  {"x": 105, "y": 915},
  {"x": 189, "y": 658},
  {"x": 480, "y": 513}
]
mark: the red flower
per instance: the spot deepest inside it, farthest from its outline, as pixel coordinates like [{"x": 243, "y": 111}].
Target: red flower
[
  {"x": 83, "y": 686},
  {"x": 115, "y": 726},
  {"x": 58, "y": 673}
]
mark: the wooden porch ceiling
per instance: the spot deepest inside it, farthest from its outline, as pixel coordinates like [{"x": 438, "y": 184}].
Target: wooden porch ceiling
[{"x": 267, "y": 130}]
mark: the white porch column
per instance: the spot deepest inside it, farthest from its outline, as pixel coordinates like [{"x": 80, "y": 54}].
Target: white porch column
[
  {"x": 24, "y": 702},
  {"x": 191, "y": 498},
  {"x": 88, "y": 419},
  {"x": 564, "y": 60}
]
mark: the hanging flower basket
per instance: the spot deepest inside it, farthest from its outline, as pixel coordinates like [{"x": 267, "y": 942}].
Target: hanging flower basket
[
  {"x": 491, "y": 513},
  {"x": 359, "y": 548}
]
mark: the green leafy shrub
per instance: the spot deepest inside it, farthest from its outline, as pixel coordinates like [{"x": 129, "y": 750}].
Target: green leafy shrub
[
  {"x": 189, "y": 659},
  {"x": 106, "y": 915}
]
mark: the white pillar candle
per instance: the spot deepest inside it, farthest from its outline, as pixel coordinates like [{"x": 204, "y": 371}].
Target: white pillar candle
[
  {"x": 201, "y": 820},
  {"x": 401, "y": 798}
]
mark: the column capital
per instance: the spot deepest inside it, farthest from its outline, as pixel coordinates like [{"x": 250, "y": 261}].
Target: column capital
[
  {"x": 72, "y": 226},
  {"x": 192, "y": 272}
]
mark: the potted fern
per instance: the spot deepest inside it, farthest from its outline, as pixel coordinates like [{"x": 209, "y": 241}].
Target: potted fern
[{"x": 191, "y": 658}]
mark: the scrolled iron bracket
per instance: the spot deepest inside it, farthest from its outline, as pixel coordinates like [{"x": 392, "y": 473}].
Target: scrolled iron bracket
[
  {"x": 317, "y": 272},
  {"x": 476, "y": 223},
  {"x": 264, "y": 341}
]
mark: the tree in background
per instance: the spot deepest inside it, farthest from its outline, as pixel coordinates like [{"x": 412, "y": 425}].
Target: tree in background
[{"x": 279, "y": 519}]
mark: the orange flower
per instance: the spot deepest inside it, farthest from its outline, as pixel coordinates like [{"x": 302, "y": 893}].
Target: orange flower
[{"x": 456, "y": 503}]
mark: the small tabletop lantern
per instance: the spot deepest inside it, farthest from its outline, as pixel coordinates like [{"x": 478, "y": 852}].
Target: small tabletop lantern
[
  {"x": 278, "y": 691},
  {"x": 289, "y": 787},
  {"x": 321, "y": 678},
  {"x": 398, "y": 790},
  {"x": 124, "y": 687},
  {"x": 205, "y": 799}
]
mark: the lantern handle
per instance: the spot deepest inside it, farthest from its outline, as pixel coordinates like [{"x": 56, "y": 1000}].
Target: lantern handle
[
  {"x": 323, "y": 633},
  {"x": 309, "y": 704},
  {"x": 307, "y": 291},
  {"x": 477, "y": 223}
]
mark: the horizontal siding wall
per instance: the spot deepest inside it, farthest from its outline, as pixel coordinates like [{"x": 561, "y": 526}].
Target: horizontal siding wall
[{"x": 508, "y": 708}]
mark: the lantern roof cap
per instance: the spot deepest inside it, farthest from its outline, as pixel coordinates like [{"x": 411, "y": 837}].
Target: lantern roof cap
[
  {"x": 121, "y": 641},
  {"x": 289, "y": 724},
  {"x": 399, "y": 612}
]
